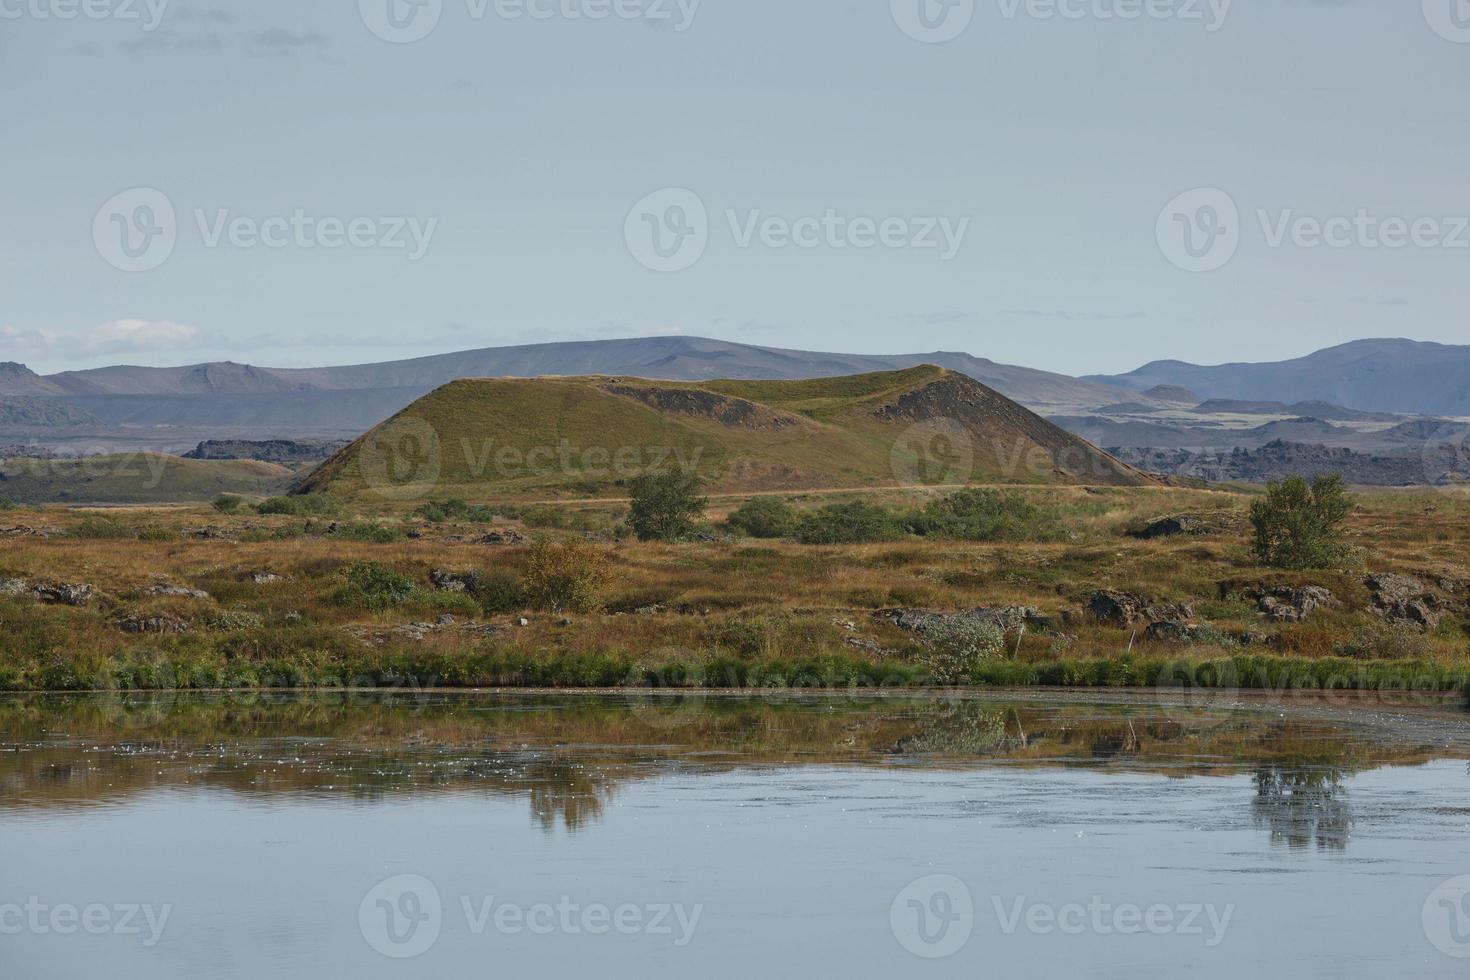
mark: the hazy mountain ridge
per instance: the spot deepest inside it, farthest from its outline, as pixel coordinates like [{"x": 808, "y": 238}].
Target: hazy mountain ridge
[
  {"x": 659, "y": 358},
  {"x": 1400, "y": 376}
]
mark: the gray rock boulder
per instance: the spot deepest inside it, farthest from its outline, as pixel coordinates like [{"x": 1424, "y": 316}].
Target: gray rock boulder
[{"x": 1403, "y": 600}]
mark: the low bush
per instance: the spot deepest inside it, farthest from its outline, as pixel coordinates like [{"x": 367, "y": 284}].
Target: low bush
[
  {"x": 228, "y": 503},
  {"x": 565, "y": 576},
  {"x": 368, "y": 532},
  {"x": 371, "y": 585},
  {"x": 763, "y": 517},
  {"x": 305, "y": 505},
  {"x": 986, "y": 515},
  {"x": 499, "y": 591},
  {"x": 849, "y": 523},
  {"x": 95, "y": 527},
  {"x": 957, "y": 646}
]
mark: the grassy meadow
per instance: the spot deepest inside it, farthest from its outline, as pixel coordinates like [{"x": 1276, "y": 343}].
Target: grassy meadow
[{"x": 310, "y": 591}]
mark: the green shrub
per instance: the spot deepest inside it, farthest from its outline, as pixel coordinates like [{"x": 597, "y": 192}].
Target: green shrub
[
  {"x": 228, "y": 503},
  {"x": 566, "y": 576},
  {"x": 665, "y": 506},
  {"x": 1298, "y": 525},
  {"x": 95, "y": 527},
  {"x": 369, "y": 531},
  {"x": 158, "y": 534},
  {"x": 1385, "y": 641},
  {"x": 956, "y": 646},
  {"x": 986, "y": 515},
  {"x": 371, "y": 585},
  {"x": 763, "y": 517},
  {"x": 849, "y": 523},
  {"x": 305, "y": 505},
  {"x": 499, "y": 591},
  {"x": 7, "y": 504}
]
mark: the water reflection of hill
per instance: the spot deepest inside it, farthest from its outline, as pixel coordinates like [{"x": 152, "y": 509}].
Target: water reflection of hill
[{"x": 567, "y": 755}]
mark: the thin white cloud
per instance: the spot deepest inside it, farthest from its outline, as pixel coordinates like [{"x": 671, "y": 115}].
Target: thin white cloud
[{"x": 112, "y": 337}]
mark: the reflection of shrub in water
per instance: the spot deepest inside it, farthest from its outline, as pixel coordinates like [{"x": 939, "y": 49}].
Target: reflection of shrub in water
[
  {"x": 1303, "y": 806},
  {"x": 965, "y": 728}
]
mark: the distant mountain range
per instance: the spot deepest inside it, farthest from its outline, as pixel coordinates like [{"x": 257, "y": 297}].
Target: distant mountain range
[
  {"x": 1402, "y": 376},
  {"x": 299, "y": 401},
  {"x": 171, "y": 409}
]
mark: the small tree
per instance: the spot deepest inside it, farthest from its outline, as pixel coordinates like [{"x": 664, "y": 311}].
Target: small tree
[
  {"x": 565, "y": 576},
  {"x": 666, "y": 506},
  {"x": 1299, "y": 525}
]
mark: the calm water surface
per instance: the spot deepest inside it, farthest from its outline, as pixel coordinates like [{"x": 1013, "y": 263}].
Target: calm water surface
[{"x": 621, "y": 835}]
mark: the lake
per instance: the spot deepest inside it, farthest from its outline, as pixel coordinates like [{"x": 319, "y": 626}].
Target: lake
[{"x": 634, "y": 835}]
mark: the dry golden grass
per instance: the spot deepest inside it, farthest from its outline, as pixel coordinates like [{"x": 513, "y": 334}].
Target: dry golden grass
[{"x": 674, "y": 602}]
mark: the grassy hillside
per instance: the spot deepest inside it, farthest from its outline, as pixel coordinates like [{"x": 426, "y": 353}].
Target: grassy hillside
[
  {"x": 509, "y": 437},
  {"x": 135, "y": 478}
]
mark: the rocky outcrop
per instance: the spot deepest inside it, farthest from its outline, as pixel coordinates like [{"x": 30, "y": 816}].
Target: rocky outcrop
[
  {"x": 451, "y": 581},
  {"x": 1286, "y": 604},
  {"x": 1127, "y": 609},
  {"x": 158, "y": 625},
  {"x": 1187, "y": 524},
  {"x": 1402, "y": 600},
  {"x": 1006, "y": 618},
  {"x": 501, "y": 537},
  {"x": 175, "y": 591},
  {"x": 64, "y": 595}
]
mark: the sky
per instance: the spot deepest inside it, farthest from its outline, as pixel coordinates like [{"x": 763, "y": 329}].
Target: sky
[{"x": 1076, "y": 185}]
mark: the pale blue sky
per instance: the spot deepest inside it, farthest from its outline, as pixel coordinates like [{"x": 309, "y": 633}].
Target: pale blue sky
[{"x": 528, "y": 141}]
